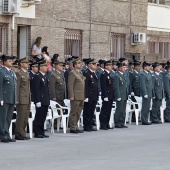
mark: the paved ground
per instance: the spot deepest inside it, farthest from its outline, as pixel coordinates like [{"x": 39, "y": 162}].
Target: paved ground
[{"x": 135, "y": 148}]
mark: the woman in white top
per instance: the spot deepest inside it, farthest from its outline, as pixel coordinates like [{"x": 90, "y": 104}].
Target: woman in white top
[{"x": 36, "y": 49}]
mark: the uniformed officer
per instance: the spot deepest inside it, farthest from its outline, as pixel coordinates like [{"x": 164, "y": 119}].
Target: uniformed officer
[
  {"x": 76, "y": 93},
  {"x": 15, "y": 66},
  {"x": 157, "y": 82},
  {"x": 146, "y": 88},
  {"x": 121, "y": 95},
  {"x": 68, "y": 71},
  {"x": 57, "y": 84},
  {"x": 23, "y": 99},
  {"x": 1, "y": 63},
  {"x": 41, "y": 99},
  {"x": 166, "y": 81},
  {"x": 85, "y": 67},
  {"x": 32, "y": 74},
  {"x": 8, "y": 97},
  {"x": 134, "y": 79},
  {"x": 99, "y": 72},
  {"x": 91, "y": 95},
  {"x": 107, "y": 95},
  {"x": 114, "y": 69}
]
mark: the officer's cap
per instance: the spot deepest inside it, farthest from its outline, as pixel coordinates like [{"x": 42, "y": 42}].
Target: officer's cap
[
  {"x": 120, "y": 64},
  {"x": 156, "y": 64},
  {"x": 85, "y": 60},
  {"x": 91, "y": 61},
  {"x": 136, "y": 63},
  {"x": 24, "y": 60},
  {"x": 34, "y": 64},
  {"x": 57, "y": 62},
  {"x": 42, "y": 63},
  {"x": 74, "y": 61},
  {"x": 146, "y": 64},
  {"x": 5, "y": 57},
  {"x": 122, "y": 59},
  {"x": 15, "y": 64},
  {"x": 101, "y": 61},
  {"x": 74, "y": 57},
  {"x": 108, "y": 63},
  {"x": 114, "y": 62}
]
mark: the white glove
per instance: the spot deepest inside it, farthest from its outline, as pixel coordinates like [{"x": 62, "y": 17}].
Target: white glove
[
  {"x": 2, "y": 103},
  {"x": 106, "y": 99},
  {"x": 146, "y": 96},
  {"x": 119, "y": 99},
  {"x": 154, "y": 97},
  {"x": 129, "y": 96},
  {"x": 86, "y": 100},
  {"x": 100, "y": 93},
  {"x": 132, "y": 94},
  {"x": 38, "y": 104}
]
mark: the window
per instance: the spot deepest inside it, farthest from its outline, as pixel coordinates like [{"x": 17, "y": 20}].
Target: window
[
  {"x": 73, "y": 43},
  {"x": 159, "y": 46},
  {"x": 3, "y": 38},
  {"x": 117, "y": 45},
  {"x": 162, "y": 2}
]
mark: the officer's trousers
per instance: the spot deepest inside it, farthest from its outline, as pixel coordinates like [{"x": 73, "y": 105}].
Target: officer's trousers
[
  {"x": 76, "y": 109},
  {"x": 88, "y": 114},
  {"x": 23, "y": 111},
  {"x": 6, "y": 113},
  {"x": 105, "y": 113}
]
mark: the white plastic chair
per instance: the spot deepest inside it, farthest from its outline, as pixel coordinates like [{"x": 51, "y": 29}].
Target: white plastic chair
[
  {"x": 129, "y": 111},
  {"x": 97, "y": 114},
  {"x": 10, "y": 128},
  {"x": 67, "y": 102},
  {"x": 48, "y": 118},
  {"x": 162, "y": 108},
  {"x": 59, "y": 117}
]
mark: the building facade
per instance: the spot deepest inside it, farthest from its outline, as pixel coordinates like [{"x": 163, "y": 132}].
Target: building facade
[{"x": 88, "y": 28}]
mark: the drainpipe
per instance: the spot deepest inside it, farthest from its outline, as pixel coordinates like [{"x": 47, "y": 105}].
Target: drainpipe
[
  {"x": 12, "y": 34},
  {"x": 90, "y": 21}
]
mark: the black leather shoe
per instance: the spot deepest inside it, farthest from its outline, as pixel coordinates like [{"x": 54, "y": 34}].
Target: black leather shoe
[
  {"x": 118, "y": 126},
  {"x": 4, "y": 141},
  {"x": 26, "y": 138},
  {"x": 109, "y": 127},
  {"x": 146, "y": 123},
  {"x": 103, "y": 128},
  {"x": 80, "y": 131},
  {"x": 155, "y": 122},
  {"x": 167, "y": 121},
  {"x": 45, "y": 136},
  {"x": 11, "y": 140},
  {"x": 123, "y": 126},
  {"x": 19, "y": 138},
  {"x": 39, "y": 136},
  {"x": 74, "y": 131},
  {"x": 93, "y": 129},
  {"x": 87, "y": 129}
]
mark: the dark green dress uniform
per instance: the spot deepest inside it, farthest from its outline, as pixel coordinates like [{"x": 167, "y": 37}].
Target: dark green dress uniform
[
  {"x": 167, "y": 95},
  {"x": 146, "y": 88},
  {"x": 134, "y": 82},
  {"x": 121, "y": 94},
  {"x": 159, "y": 94},
  {"x": 57, "y": 87},
  {"x": 8, "y": 86}
]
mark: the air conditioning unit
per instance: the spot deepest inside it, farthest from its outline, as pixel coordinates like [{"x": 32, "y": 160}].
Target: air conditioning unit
[
  {"x": 138, "y": 38},
  {"x": 10, "y": 6}
]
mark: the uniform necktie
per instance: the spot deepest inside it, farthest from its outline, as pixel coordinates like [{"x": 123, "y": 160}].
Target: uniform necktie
[{"x": 11, "y": 72}]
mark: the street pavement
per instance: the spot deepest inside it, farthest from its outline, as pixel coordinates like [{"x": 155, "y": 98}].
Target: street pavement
[{"x": 135, "y": 148}]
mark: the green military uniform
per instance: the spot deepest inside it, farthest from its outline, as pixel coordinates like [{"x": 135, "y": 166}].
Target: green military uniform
[
  {"x": 121, "y": 96},
  {"x": 146, "y": 88},
  {"x": 159, "y": 94},
  {"x": 76, "y": 89},
  {"x": 167, "y": 94},
  {"x": 57, "y": 87},
  {"x": 24, "y": 100},
  {"x": 8, "y": 83}
]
